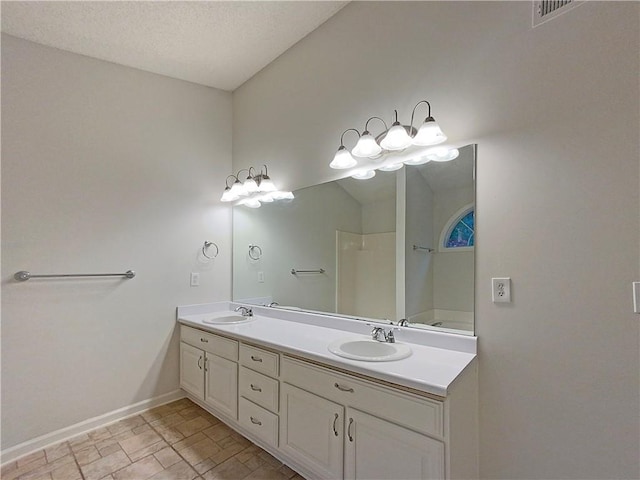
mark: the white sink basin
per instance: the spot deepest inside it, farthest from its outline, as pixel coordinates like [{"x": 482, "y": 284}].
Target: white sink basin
[
  {"x": 369, "y": 350},
  {"x": 228, "y": 320}
]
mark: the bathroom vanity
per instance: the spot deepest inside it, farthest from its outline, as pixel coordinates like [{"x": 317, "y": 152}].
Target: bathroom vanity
[{"x": 272, "y": 378}]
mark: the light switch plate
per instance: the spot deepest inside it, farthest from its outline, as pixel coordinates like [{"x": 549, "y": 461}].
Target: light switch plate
[{"x": 636, "y": 297}]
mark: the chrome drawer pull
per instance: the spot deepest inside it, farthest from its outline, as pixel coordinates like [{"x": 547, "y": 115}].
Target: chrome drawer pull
[
  {"x": 343, "y": 389},
  {"x": 349, "y": 430},
  {"x": 255, "y": 389},
  {"x": 204, "y": 340},
  {"x": 335, "y": 431},
  {"x": 256, "y": 359},
  {"x": 255, "y": 422}
]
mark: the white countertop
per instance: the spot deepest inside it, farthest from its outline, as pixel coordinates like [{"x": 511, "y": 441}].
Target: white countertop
[{"x": 429, "y": 369}]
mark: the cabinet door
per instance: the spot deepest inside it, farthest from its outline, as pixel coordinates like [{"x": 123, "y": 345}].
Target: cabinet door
[
  {"x": 311, "y": 431},
  {"x": 191, "y": 369},
  {"x": 376, "y": 448},
  {"x": 221, "y": 382}
]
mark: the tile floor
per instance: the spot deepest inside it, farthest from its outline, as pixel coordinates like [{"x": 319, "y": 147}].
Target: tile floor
[{"x": 177, "y": 441}]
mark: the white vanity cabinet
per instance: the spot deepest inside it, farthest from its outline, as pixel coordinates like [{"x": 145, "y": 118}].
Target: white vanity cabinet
[
  {"x": 340, "y": 426},
  {"x": 209, "y": 369},
  {"x": 259, "y": 393}
]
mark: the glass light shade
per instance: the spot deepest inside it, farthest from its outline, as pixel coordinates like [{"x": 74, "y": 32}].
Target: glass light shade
[
  {"x": 396, "y": 138},
  {"x": 392, "y": 167},
  {"x": 238, "y": 190},
  {"x": 282, "y": 195},
  {"x": 250, "y": 202},
  {"x": 364, "y": 175},
  {"x": 227, "y": 196},
  {"x": 266, "y": 198},
  {"x": 366, "y": 146},
  {"x": 250, "y": 185},
  {"x": 421, "y": 160},
  {"x": 429, "y": 133},
  {"x": 443, "y": 154},
  {"x": 266, "y": 185},
  {"x": 343, "y": 159}
]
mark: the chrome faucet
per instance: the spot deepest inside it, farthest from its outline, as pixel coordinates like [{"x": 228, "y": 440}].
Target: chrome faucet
[
  {"x": 403, "y": 322},
  {"x": 246, "y": 312},
  {"x": 379, "y": 334}
]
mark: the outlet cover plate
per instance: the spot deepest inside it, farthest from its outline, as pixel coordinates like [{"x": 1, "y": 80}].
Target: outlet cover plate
[{"x": 501, "y": 290}]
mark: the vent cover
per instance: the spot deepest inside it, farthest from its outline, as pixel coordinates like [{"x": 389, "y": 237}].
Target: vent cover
[{"x": 544, "y": 10}]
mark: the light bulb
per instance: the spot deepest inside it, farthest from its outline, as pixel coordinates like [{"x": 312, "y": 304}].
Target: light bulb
[
  {"x": 396, "y": 138},
  {"x": 343, "y": 159},
  {"x": 391, "y": 168},
  {"x": 429, "y": 133},
  {"x": 366, "y": 146},
  {"x": 443, "y": 154},
  {"x": 364, "y": 175}
]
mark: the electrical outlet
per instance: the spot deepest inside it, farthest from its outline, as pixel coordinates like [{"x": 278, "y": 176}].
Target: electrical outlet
[
  {"x": 260, "y": 277},
  {"x": 501, "y": 290},
  {"x": 195, "y": 279}
]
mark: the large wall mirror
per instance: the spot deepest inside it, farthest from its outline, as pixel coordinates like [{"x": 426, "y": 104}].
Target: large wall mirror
[{"x": 399, "y": 245}]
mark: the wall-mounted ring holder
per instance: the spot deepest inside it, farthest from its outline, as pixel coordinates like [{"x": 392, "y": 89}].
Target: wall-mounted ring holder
[
  {"x": 255, "y": 252},
  {"x": 206, "y": 247}
]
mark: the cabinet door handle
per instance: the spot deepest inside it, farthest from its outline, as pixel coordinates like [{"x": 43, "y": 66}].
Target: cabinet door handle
[
  {"x": 256, "y": 359},
  {"x": 343, "y": 389},
  {"x": 206, "y": 360},
  {"x": 204, "y": 340},
  {"x": 349, "y": 430},
  {"x": 255, "y": 422},
  {"x": 335, "y": 430},
  {"x": 255, "y": 389},
  {"x": 200, "y": 362}
]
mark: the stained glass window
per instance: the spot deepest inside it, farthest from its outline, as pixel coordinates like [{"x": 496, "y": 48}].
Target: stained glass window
[{"x": 461, "y": 235}]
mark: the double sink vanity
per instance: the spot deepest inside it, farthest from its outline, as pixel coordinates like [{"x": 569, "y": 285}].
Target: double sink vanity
[{"x": 322, "y": 395}]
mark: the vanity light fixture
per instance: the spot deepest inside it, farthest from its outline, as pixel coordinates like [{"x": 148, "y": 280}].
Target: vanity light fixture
[
  {"x": 255, "y": 190},
  {"x": 396, "y": 146}
]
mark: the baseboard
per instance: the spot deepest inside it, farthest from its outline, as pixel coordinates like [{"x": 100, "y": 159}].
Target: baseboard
[{"x": 44, "y": 441}]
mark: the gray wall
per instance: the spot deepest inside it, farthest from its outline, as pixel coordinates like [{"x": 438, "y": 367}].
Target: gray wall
[
  {"x": 104, "y": 168},
  {"x": 554, "y": 111}
]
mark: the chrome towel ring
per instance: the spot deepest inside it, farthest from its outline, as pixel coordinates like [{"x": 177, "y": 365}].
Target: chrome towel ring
[
  {"x": 255, "y": 252},
  {"x": 206, "y": 246}
]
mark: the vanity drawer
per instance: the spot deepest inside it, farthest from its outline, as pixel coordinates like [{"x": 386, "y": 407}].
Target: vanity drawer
[
  {"x": 412, "y": 411},
  {"x": 260, "y": 360},
  {"x": 262, "y": 423},
  {"x": 259, "y": 389},
  {"x": 221, "y": 346}
]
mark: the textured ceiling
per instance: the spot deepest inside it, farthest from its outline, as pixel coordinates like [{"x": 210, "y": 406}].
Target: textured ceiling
[{"x": 219, "y": 44}]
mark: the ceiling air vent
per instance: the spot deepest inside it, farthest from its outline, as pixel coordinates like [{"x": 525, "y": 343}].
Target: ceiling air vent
[{"x": 544, "y": 10}]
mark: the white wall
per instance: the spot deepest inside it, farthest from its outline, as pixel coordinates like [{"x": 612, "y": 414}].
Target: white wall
[
  {"x": 554, "y": 111},
  {"x": 104, "y": 169}
]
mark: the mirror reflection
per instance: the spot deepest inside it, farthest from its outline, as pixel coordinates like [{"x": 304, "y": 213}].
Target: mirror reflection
[{"x": 399, "y": 245}]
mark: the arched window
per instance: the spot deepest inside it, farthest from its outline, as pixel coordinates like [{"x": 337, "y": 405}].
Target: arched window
[{"x": 458, "y": 233}]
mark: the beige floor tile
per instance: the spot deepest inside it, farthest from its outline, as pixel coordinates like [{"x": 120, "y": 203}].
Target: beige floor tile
[
  {"x": 138, "y": 442},
  {"x": 140, "y": 470},
  {"x": 47, "y": 468},
  {"x": 29, "y": 467},
  {"x": 168, "y": 421},
  {"x": 109, "y": 449},
  {"x": 227, "y": 452},
  {"x": 217, "y": 432},
  {"x": 144, "y": 452},
  {"x": 193, "y": 426},
  {"x": 266, "y": 472},
  {"x": 31, "y": 458},
  {"x": 205, "y": 466},
  {"x": 200, "y": 451},
  {"x": 57, "y": 451},
  {"x": 232, "y": 469},
  {"x": 105, "y": 465},
  {"x": 87, "y": 455},
  {"x": 167, "y": 457},
  {"x": 177, "y": 471},
  {"x": 126, "y": 424},
  {"x": 170, "y": 434},
  {"x": 69, "y": 471},
  {"x": 189, "y": 441}
]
